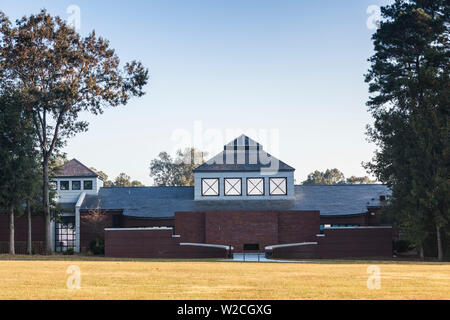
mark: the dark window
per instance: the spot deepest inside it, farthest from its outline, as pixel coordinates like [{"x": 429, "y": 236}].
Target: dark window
[
  {"x": 87, "y": 185},
  {"x": 64, "y": 185},
  {"x": 76, "y": 185},
  {"x": 251, "y": 247},
  {"x": 65, "y": 233},
  {"x": 116, "y": 221}
]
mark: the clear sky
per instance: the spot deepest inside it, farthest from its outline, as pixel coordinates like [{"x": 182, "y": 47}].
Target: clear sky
[{"x": 292, "y": 69}]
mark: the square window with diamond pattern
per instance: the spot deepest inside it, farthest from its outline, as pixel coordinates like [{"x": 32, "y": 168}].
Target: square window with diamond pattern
[
  {"x": 278, "y": 186},
  {"x": 210, "y": 187},
  {"x": 255, "y": 186},
  {"x": 233, "y": 186}
]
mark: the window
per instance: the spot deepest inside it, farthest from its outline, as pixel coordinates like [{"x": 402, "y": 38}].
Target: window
[
  {"x": 116, "y": 221},
  {"x": 65, "y": 233},
  {"x": 76, "y": 185},
  {"x": 233, "y": 186},
  {"x": 87, "y": 185},
  {"x": 210, "y": 187},
  {"x": 278, "y": 186},
  {"x": 64, "y": 185},
  {"x": 255, "y": 186}
]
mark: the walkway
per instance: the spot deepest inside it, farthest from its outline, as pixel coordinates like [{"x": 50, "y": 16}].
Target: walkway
[{"x": 257, "y": 257}]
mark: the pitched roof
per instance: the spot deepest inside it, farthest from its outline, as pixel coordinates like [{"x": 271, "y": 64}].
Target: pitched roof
[
  {"x": 244, "y": 154},
  {"x": 163, "y": 202},
  {"x": 75, "y": 168}
]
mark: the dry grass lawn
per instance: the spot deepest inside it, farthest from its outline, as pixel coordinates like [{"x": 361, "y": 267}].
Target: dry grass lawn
[{"x": 150, "y": 279}]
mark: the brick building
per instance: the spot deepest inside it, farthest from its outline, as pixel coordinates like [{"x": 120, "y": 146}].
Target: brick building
[{"x": 242, "y": 199}]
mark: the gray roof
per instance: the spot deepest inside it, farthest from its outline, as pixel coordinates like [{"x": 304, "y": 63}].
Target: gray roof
[
  {"x": 243, "y": 154},
  {"x": 75, "y": 168},
  {"x": 163, "y": 202}
]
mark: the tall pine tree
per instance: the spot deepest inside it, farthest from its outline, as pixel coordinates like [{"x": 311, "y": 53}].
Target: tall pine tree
[{"x": 409, "y": 86}]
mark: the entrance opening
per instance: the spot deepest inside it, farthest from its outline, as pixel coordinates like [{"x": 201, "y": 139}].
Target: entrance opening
[
  {"x": 251, "y": 247},
  {"x": 65, "y": 234}
]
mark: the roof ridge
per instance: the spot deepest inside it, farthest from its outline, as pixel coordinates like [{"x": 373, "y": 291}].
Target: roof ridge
[{"x": 80, "y": 163}]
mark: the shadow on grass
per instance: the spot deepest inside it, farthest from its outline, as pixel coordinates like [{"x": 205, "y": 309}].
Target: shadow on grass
[{"x": 7, "y": 257}]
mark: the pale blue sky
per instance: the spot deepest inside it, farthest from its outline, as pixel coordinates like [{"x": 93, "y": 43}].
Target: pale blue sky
[{"x": 292, "y": 66}]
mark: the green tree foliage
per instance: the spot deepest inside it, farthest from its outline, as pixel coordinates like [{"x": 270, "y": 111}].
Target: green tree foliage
[
  {"x": 166, "y": 171},
  {"x": 122, "y": 180},
  {"x": 359, "y": 180},
  {"x": 106, "y": 182},
  {"x": 18, "y": 159},
  {"x": 60, "y": 74},
  {"x": 409, "y": 85},
  {"x": 330, "y": 176}
]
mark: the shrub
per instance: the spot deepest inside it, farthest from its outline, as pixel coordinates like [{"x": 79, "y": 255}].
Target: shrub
[
  {"x": 69, "y": 252},
  {"x": 97, "y": 247},
  {"x": 401, "y": 246}
]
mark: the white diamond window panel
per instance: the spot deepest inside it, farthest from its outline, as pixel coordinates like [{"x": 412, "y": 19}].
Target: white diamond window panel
[
  {"x": 255, "y": 186},
  {"x": 233, "y": 186},
  {"x": 210, "y": 187},
  {"x": 278, "y": 186}
]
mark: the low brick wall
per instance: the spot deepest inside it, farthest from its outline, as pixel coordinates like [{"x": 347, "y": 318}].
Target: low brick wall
[
  {"x": 356, "y": 242},
  {"x": 300, "y": 251},
  {"x": 154, "y": 243},
  {"x": 363, "y": 242}
]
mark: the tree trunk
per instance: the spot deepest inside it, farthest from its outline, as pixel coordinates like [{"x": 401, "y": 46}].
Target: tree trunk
[
  {"x": 421, "y": 253},
  {"x": 11, "y": 230},
  {"x": 29, "y": 240},
  {"x": 439, "y": 243},
  {"x": 46, "y": 200}
]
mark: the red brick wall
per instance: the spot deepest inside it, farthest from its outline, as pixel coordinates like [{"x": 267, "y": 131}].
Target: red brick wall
[
  {"x": 153, "y": 244},
  {"x": 309, "y": 251},
  {"x": 298, "y": 226},
  {"x": 190, "y": 226},
  {"x": 90, "y": 231},
  {"x": 361, "y": 220},
  {"x": 356, "y": 242},
  {"x": 20, "y": 234},
  {"x": 237, "y": 228},
  {"x": 343, "y": 243},
  {"x": 130, "y": 222}
]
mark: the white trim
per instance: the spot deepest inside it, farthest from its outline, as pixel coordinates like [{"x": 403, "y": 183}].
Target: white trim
[
  {"x": 363, "y": 227},
  {"x": 320, "y": 235},
  {"x": 206, "y": 245},
  {"x": 137, "y": 229},
  {"x": 77, "y": 220},
  {"x": 176, "y": 236},
  {"x": 290, "y": 245}
]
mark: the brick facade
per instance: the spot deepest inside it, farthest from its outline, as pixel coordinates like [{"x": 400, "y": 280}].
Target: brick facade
[
  {"x": 237, "y": 228},
  {"x": 154, "y": 244},
  {"x": 20, "y": 233},
  {"x": 342, "y": 243}
]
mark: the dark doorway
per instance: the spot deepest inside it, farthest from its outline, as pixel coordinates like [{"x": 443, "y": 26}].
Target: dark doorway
[{"x": 251, "y": 247}]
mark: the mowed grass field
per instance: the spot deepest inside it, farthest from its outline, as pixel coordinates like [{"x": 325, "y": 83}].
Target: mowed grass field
[{"x": 45, "y": 278}]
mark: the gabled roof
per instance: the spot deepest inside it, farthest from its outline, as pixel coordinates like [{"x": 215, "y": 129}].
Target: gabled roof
[
  {"x": 243, "y": 154},
  {"x": 75, "y": 168},
  {"x": 163, "y": 202}
]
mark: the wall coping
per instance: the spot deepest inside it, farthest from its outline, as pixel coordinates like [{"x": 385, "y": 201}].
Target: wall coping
[
  {"x": 206, "y": 245},
  {"x": 137, "y": 229},
  {"x": 362, "y": 227},
  {"x": 290, "y": 245}
]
